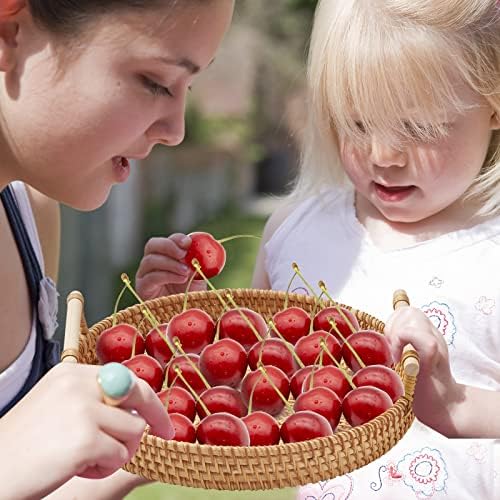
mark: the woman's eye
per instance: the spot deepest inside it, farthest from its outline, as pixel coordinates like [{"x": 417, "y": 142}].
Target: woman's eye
[{"x": 155, "y": 88}]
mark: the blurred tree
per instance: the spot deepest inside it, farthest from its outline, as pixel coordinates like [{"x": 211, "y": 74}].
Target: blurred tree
[{"x": 309, "y": 5}]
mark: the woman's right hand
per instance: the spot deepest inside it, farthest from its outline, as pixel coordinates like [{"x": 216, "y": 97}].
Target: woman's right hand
[
  {"x": 162, "y": 270},
  {"x": 63, "y": 429}
]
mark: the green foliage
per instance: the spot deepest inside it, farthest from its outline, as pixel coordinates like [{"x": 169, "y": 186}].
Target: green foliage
[{"x": 309, "y": 5}]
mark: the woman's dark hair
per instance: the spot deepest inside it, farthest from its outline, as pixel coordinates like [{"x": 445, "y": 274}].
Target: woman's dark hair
[{"x": 66, "y": 16}]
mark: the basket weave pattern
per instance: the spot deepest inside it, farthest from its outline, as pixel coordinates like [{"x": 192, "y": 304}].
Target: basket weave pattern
[{"x": 257, "y": 467}]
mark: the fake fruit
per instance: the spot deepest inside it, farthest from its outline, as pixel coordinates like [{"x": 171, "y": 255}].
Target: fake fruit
[
  {"x": 147, "y": 368},
  {"x": 297, "y": 381},
  {"x": 189, "y": 372},
  {"x": 221, "y": 399},
  {"x": 267, "y": 395},
  {"x": 178, "y": 400},
  {"x": 233, "y": 325},
  {"x": 364, "y": 404},
  {"x": 117, "y": 343},
  {"x": 323, "y": 401},
  {"x": 184, "y": 429},
  {"x": 308, "y": 348},
  {"x": 224, "y": 362},
  {"x": 262, "y": 428},
  {"x": 293, "y": 323},
  {"x": 329, "y": 376},
  {"x": 194, "y": 328},
  {"x": 372, "y": 347},
  {"x": 305, "y": 425},
  {"x": 222, "y": 429},
  {"x": 382, "y": 377},
  {"x": 208, "y": 252},
  {"x": 272, "y": 352},
  {"x": 157, "y": 346},
  {"x": 322, "y": 321}
]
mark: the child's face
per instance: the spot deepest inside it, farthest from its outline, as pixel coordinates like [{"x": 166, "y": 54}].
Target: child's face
[
  {"x": 418, "y": 180},
  {"x": 66, "y": 127}
]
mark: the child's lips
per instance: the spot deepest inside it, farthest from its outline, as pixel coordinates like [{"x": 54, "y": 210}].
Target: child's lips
[{"x": 393, "y": 193}]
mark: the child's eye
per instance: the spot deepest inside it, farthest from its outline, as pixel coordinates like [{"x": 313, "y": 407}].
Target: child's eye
[
  {"x": 360, "y": 126},
  {"x": 155, "y": 88}
]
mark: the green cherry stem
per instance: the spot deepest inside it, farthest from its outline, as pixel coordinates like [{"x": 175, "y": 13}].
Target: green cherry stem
[
  {"x": 250, "y": 401},
  {"x": 275, "y": 387},
  {"x": 323, "y": 345},
  {"x": 178, "y": 371},
  {"x": 242, "y": 314},
  {"x": 350, "y": 347},
  {"x": 324, "y": 290},
  {"x": 314, "y": 310},
  {"x": 120, "y": 295},
  {"x": 178, "y": 345},
  {"x": 237, "y": 236},
  {"x": 287, "y": 344},
  {"x": 197, "y": 266},
  {"x": 297, "y": 271},
  {"x": 285, "y": 305},
  {"x": 190, "y": 282}
]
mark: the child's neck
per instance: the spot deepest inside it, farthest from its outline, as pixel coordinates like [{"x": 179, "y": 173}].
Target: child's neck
[{"x": 388, "y": 235}]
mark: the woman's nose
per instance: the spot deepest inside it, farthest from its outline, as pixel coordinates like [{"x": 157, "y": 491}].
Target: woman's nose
[
  {"x": 386, "y": 155},
  {"x": 169, "y": 130}
]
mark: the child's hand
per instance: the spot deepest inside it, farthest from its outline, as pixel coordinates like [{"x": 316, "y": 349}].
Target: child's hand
[
  {"x": 162, "y": 271},
  {"x": 436, "y": 391},
  {"x": 76, "y": 434}
]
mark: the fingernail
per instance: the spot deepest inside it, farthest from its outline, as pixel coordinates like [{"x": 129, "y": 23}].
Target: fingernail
[
  {"x": 186, "y": 240},
  {"x": 184, "y": 268}
]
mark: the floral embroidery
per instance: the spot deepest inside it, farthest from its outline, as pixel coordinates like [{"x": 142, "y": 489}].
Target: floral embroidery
[
  {"x": 478, "y": 453},
  {"x": 424, "y": 471},
  {"x": 485, "y": 305},
  {"x": 442, "y": 318},
  {"x": 436, "y": 282},
  {"x": 339, "y": 488},
  {"x": 393, "y": 476}
]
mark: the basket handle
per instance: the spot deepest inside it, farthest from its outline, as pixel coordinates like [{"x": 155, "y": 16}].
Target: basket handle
[
  {"x": 409, "y": 359},
  {"x": 74, "y": 312}
]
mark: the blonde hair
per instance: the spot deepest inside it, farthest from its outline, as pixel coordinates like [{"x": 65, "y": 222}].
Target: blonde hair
[{"x": 394, "y": 63}]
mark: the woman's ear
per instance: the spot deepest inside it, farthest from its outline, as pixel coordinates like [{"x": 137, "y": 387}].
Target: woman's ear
[{"x": 9, "y": 28}]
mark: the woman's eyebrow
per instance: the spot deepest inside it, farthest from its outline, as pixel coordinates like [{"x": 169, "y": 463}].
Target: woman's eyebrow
[{"x": 182, "y": 62}]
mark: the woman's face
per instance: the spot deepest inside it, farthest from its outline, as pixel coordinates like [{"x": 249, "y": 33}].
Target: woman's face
[{"x": 72, "y": 116}]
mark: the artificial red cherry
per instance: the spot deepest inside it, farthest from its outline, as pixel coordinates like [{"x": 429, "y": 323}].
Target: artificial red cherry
[
  {"x": 178, "y": 400},
  {"x": 194, "y": 328},
  {"x": 323, "y": 318},
  {"x": 224, "y": 362},
  {"x": 116, "y": 343},
  {"x": 305, "y": 425},
  {"x": 308, "y": 348},
  {"x": 364, "y": 404},
  {"x": 382, "y": 377},
  {"x": 298, "y": 378},
  {"x": 157, "y": 347},
  {"x": 293, "y": 323},
  {"x": 372, "y": 347},
  {"x": 323, "y": 401},
  {"x": 262, "y": 428},
  {"x": 147, "y": 368},
  {"x": 208, "y": 252},
  {"x": 233, "y": 325},
  {"x": 222, "y": 399},
  {"x": 188, "y": 371},
  {"x": 184, "y": 429},
  {"x": 264, "y": 396},
  {"x": 328, "y": 376},
  {"x": 272, "y": 352},
  {"x": 222, "y": 429}
]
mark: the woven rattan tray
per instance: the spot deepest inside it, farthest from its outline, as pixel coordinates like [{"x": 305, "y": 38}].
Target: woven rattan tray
[{"x": 261, "y": 467}]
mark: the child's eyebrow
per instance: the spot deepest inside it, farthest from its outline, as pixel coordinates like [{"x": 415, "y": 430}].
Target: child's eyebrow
[{"x": 182, "y": 62}]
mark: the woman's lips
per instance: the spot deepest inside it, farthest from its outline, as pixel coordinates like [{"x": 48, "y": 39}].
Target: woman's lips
[
  {"x": 121, "y": 168},
  {"x": 393, "y": 194}
]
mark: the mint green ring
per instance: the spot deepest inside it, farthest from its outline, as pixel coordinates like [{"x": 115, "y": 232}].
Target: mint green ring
[{"x": 116, "y": 381}]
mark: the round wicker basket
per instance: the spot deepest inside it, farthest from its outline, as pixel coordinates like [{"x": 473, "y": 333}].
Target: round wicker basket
[{"x": 261, "y": 467}]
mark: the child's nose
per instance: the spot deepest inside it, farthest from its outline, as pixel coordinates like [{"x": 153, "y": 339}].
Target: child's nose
[{"x": 386, "y": 155}]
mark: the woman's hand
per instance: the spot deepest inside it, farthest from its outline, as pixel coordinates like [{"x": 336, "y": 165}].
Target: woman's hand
[
  {"x": 162, "y": 271},
  {"x": 63, "y": 429}
]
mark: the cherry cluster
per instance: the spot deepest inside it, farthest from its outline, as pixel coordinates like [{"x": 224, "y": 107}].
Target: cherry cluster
[{"x": 240, "y": 380}]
